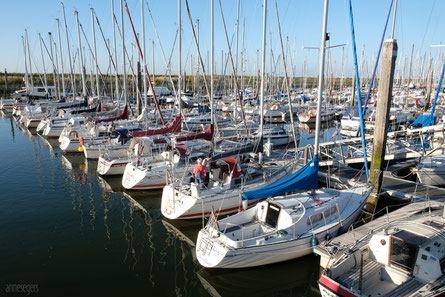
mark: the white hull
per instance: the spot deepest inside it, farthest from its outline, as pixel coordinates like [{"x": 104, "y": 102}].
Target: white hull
[
  {"x": 137, "y": 179},
  {"x": 176, "y": 205},
  {"x": 112, "y": 167},
  {"x": 147, "y": 177},
  {"x": 52, "y": 131},
  {"x": 92, "y": 151},
  {"x": 431, "y": 176},
  {"x": 247, "y": 239},
  {"x": 32, "y": 123},
  {"x": 68, "y": 145},
  {"x": 271, "y": 253},
  {"x": 431, "y": 171},
  {"x": 277, "y": 141}
]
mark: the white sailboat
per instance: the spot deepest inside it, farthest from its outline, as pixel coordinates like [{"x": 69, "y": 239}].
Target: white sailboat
[
  {"x": 403, "y": 256},
  {"x": 285, "y": 227}
]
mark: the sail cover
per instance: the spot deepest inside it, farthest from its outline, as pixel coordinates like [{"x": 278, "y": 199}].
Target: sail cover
[
  {"x": 303, "y": 179},
  {"x": 122, "y": 116},
  {"x": 173, "y": 127},
  {"x": 207, "y": 134},
  {"x": 423, "y": 121}
]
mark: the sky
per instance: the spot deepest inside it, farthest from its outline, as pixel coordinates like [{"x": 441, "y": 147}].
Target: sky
[{"x": 418, "y": 23}]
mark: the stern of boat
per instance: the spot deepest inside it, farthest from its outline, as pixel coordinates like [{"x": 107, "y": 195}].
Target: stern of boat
[
  {"x": 177, "y": 205},
  {"x": 209, "y": 252},
  {"x": 133, "y": 177}
]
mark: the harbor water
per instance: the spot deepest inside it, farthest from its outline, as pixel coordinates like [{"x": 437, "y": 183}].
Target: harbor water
[{"x": 67, "y": 232}]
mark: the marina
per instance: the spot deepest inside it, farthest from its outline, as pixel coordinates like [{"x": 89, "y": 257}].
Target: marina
[{"x": 136, "y": 162}]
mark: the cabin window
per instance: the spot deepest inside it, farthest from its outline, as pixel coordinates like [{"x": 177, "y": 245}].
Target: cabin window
[
  {"x": 330, "y": 211},
  {"x": 273, "y": 213},
  {"x": 403, "y": 254},
  {"x": 41, "y": 90},
  {"x": 314, "y": 218}
]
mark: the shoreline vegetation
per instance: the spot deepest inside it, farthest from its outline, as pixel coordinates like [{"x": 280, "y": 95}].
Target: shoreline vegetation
[{"x": 15, "y": 81}]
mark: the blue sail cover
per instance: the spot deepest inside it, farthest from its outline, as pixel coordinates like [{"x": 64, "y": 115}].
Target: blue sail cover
[
  {"x": 424, "y": 120},
  {"x": 303, "y": 179}
]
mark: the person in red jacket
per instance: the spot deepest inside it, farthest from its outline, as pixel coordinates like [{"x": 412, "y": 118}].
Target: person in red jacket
[{"x": 200, "y": 171}]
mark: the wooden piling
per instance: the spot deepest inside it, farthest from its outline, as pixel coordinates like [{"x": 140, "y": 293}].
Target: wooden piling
[
  {"x": 389, "y": 56},
  {"x": 429, "y": 85}
]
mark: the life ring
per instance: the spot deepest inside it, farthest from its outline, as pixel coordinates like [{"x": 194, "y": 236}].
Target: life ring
[{"x": 274, "y": 107}]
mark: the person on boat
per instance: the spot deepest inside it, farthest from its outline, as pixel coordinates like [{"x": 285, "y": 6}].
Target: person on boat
[
  {"x": 110, "y": 131},
  {"x": 199, "y": 171},
  {"x": 206, "y": 163}
]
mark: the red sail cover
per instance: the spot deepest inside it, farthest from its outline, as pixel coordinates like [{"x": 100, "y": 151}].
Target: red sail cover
[
  {"x": 207, "y": 134},
  {"x": 173, "y": 127},
  {"x": 122, "y": 116}
]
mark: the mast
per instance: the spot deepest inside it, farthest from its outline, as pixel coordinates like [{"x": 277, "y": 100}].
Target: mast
[
  {"x": 321, "y": 77},
  {"x": 55, "y": 70},
  {"x": 212, "y": 61},
  {"x": 29, "y": 60},
  {"x": 180, "y": 56},
  {"x": 291, "y": 113},
  {"x": 26, "y": 64},
  {"x": 143, "y": 52},
  {"x": 153, "y": 58},
  {"x": 263, "y": 64},
  {"x": 69, "y": 51},
  {"x": 95, "y": 54},
  {"x": 115, "y": 51},
  {"x": 123, "y": 52},
  {"x": 82, "y": 70},
  {"x": 197, "y": 68},
  {"x": 43, "y": 61},
  {"x": 54, "y": 64},
  {"x": 236, "y": 53},
  {"x": 57, "y": 67},
  {"x": 61, "y": 58}
]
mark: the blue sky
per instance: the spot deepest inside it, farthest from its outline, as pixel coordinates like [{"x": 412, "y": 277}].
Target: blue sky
[{"x": 418, "y": 22}]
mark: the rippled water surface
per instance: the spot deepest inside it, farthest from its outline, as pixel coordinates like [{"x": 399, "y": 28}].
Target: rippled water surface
[{"x": 72, "y": 233}]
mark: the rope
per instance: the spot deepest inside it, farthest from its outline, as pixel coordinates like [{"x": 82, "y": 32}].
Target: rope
[{"x": 352, "y": 178}]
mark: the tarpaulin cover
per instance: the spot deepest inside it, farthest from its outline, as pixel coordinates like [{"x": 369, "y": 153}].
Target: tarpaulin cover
[
  {"x": 424, "y": 120},
  {"x": 173, "y": 127},
  {"x": 303, "y": 179},
  {"x": 122, "y": 116}
]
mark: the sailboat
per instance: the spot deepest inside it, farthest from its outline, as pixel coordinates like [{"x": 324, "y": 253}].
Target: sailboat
[{"x": 282, "y": 227}]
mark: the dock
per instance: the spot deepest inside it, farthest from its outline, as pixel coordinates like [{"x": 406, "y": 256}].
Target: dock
[
  {"x": 393, "y": 186},
  {"x": 349, "y": 151}
]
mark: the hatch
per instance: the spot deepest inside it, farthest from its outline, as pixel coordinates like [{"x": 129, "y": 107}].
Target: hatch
[
  {"x": 404, "y": 248},
  {"x": 273, "y": 212}
]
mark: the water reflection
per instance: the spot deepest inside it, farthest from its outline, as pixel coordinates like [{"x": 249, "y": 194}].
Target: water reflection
[
  {"x": 119, "y": 235},
  {"x": 52, "y": 145},
  {"x": 292, "y": 278}
]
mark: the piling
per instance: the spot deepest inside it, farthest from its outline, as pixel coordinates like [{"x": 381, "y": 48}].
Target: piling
[
  {"x": 429, "y": 85},
  {"x": 389, "y": 57}
]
